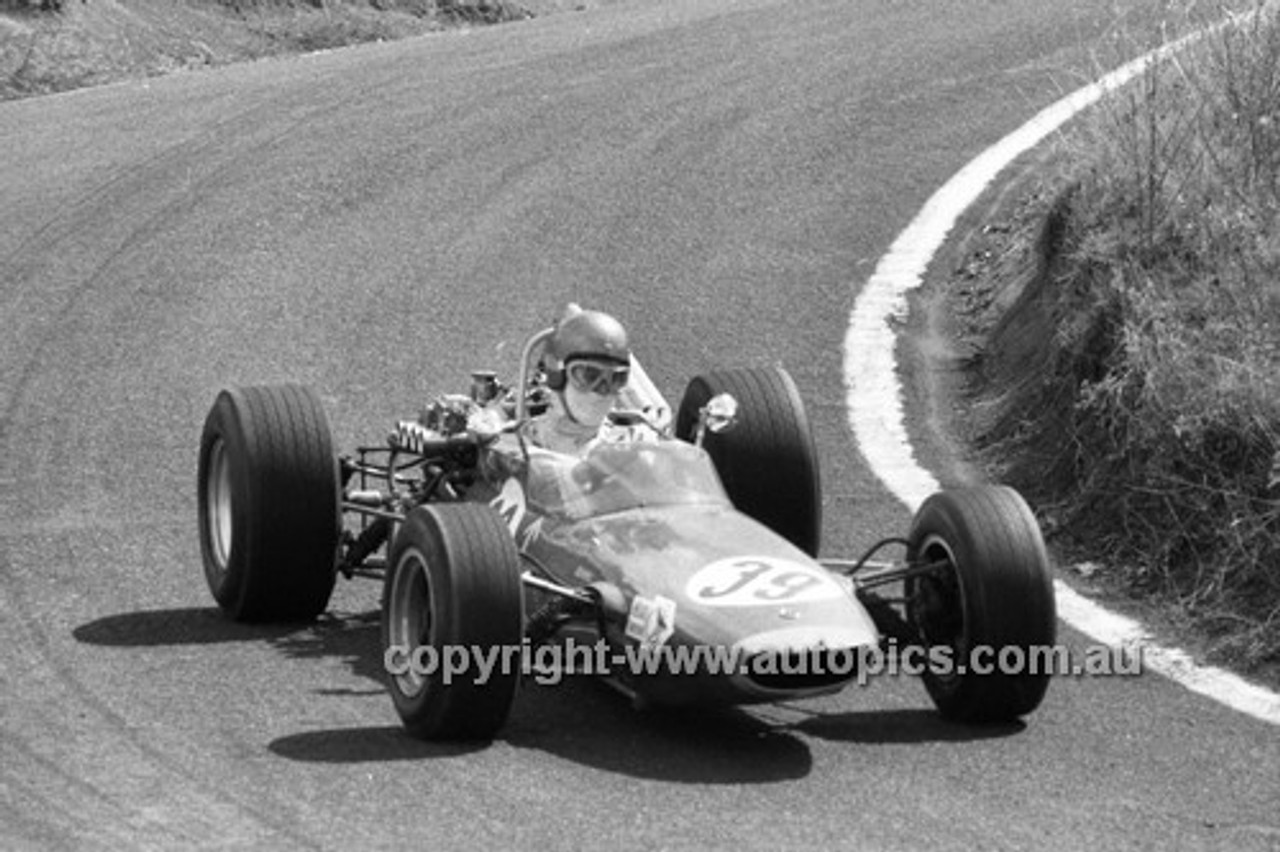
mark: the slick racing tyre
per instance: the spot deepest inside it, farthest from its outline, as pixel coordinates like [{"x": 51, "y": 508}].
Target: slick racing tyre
[
  {"x": 987, "y": 608},
  {"x": 767, "y": 460},
  {"x": 269, "y": 504},
  {"x": 452, "y": 588}
]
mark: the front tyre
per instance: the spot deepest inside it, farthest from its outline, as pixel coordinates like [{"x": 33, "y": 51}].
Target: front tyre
[
  {"x": 988, "y": 608},
  {"x": 452, "y": 590},
  {"x": 269, "y": 504},
  {"x": 767, "y": 459}
]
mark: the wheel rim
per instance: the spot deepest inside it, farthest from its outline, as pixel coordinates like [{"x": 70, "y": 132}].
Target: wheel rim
[
  {"x": 410, "y": 618},
  {"x": 218, "y": 507},
  {"x": 937, "y": 604}
]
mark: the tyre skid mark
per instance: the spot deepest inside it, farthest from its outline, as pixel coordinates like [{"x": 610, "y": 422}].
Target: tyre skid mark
[
  {"x": 191, "y": 809},
  {"x": 218, "y": 150}
]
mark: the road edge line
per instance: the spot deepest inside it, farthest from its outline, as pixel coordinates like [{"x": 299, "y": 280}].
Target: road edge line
[{"x": 874, "y": 394}]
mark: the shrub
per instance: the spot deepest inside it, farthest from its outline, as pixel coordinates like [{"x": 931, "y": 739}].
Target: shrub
[{"x": 1154, "y": 419}]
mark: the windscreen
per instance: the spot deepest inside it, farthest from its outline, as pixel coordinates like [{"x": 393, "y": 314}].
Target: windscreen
[{"x": 616, "y": 477}]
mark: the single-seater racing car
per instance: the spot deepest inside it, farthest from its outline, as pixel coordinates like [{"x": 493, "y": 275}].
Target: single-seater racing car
[{"x": 699, "y": 529}]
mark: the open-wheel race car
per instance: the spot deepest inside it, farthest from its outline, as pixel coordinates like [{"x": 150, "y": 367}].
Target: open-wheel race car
[{"x": 693, "y": 529}]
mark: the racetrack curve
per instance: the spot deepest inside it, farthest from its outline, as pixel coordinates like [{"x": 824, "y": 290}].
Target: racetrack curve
[{"x": 375, "y": 223}]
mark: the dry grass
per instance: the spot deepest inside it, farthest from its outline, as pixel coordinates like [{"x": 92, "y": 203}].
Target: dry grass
[
  {"x": 1149, "y": 418},
  {"x": 86, "y": 42}
]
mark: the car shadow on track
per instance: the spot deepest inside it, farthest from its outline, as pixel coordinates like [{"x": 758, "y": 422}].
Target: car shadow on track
[
  {"x": 578, "y": 719},
  {"x": 351, "y": 637},
  {"x": 185, "y": 626},
  {"x": 884, "y": 727},
  {"x": 582, "y": 720},
  {"x": 381, "y": 744}
]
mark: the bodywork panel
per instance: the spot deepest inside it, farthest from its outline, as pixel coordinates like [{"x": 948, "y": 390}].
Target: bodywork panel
[{"x": 693, "y": 572}]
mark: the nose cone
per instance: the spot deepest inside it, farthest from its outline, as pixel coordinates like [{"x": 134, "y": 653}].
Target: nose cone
[
  {"x": 809, "y": 660},
  {"x": 726, "y": 611}
]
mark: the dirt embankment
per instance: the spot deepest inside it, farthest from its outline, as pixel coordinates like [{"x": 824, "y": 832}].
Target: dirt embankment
[
  {"x": 1033, "y": 336},
  {"x": 50, "y": 47}
]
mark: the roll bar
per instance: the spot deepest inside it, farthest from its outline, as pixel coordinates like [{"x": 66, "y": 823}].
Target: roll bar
[{"x": 526, "y": 370}]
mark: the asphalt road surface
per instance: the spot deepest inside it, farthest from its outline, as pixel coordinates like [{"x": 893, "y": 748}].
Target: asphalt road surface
[{"x": 722, "y": 175}]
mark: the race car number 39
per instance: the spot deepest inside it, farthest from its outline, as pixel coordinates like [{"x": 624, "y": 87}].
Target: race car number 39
[{"x": 760, "y": 581}]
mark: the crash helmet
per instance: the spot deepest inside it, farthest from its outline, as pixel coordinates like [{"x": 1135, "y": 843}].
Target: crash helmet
[{"x": 591, "y": 347}]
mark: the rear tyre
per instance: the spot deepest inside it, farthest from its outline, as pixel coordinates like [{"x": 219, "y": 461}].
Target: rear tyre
[
  {"x": 767, "y": 460},
  {"x": 990, "y": 607},
  {"x": 452, "y": 587},
  {"x": 269, "y": 504}
]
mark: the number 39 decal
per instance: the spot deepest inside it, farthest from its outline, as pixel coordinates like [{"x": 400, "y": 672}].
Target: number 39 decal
[{"x": 760, "y": 581}]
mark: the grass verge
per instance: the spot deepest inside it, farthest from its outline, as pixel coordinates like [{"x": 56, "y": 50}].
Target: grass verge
[
  {"x": 1126, "y": 322},
  {"x": 75, "y": 43}
]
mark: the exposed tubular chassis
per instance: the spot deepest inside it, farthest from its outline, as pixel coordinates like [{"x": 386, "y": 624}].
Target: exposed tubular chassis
[{"x": 450, "y": 465}]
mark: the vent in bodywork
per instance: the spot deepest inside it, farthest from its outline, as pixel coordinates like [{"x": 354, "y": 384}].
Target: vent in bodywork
[{"x": 797, "y": 670}]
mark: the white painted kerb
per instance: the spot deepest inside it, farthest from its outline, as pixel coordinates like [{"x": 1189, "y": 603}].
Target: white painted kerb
[{"x": 874, "y": 395}]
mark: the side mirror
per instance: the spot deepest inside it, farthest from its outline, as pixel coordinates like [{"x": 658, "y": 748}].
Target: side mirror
[{"x": 718, "y": 415}]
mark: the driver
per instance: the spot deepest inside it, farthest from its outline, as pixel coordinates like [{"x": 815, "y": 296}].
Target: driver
[{"x": 587, "y": 363}]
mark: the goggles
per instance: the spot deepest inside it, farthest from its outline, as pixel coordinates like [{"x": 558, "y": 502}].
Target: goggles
[{"x": 600, "y": 377}]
